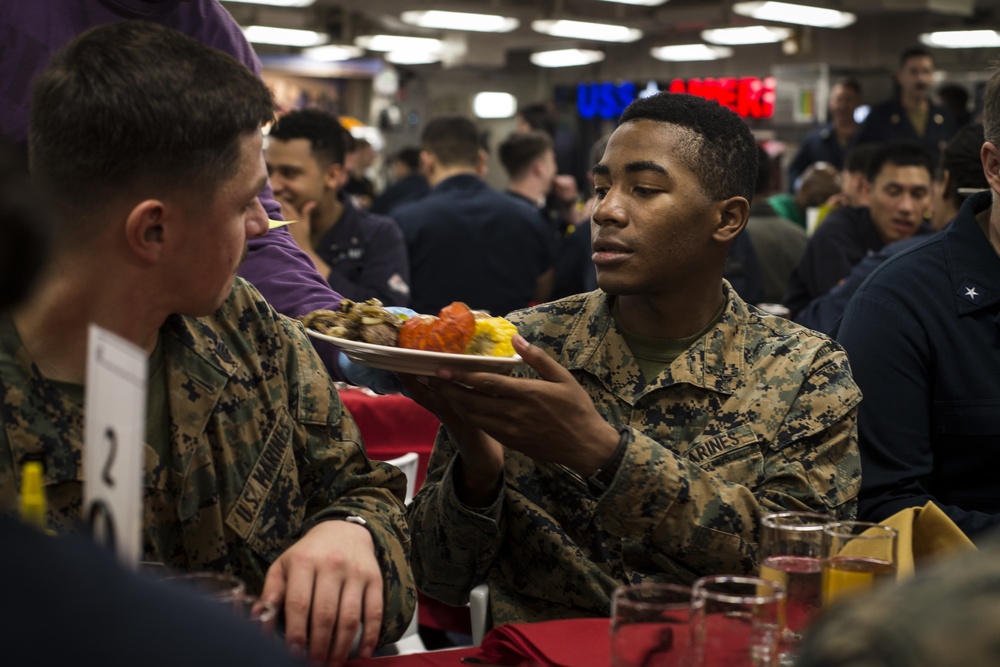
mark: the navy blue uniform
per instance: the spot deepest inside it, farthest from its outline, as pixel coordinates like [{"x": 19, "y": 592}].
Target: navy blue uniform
[
  {"x": 821, "y": 145},
  {"x": 468, "y": 242},
  {"x": 367, "y": 257},
  {"x": 924, "y": 345},
  {"x": 407, "y": 189},
  {"x": 845, "y": 237},
  {"x": 888, "y": 121}
]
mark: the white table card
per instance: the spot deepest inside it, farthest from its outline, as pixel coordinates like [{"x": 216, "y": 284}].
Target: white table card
[{"x": 114, "y": 433}]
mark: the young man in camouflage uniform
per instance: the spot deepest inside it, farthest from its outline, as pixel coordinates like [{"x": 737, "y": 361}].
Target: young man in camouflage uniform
[
  {"x": 148, "y": 144},
  {"x": 657, "y": 419}
]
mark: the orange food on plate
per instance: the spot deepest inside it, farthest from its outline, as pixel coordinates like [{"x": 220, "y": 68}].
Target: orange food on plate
[{"x": 450, "y": 331}]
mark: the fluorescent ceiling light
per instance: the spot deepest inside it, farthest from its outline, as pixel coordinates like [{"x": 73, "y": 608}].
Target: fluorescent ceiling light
[
  {"x": 645, "y": 3},
  {"x": 434, "y": 18},
  {"x": 332, "y": 52},
  {"x": 398, "y": 43},
  {"x": 580, "y": 30},
  {"x": 961, "y": 39},
  {"x": 785, "y": 12},
  {"x": 686, "y": 52},
  {"x": 755, "y": 34},
  {"x": 260, "y": 34},
  {"x": 494, "y": 105},
  {"x": 566, "y": 58},
  {"x": 414, "y": 57},
  {"x": 278, "y": 3}
]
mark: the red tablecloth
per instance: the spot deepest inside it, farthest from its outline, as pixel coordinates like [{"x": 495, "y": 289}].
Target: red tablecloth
[{"x": 392, "y": 425}]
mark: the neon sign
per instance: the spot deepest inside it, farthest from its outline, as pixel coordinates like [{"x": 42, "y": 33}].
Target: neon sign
[{"x": 749, "y": 97}]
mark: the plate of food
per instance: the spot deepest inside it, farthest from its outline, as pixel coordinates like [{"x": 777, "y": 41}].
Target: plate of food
[{"x": 456, "y": 338}]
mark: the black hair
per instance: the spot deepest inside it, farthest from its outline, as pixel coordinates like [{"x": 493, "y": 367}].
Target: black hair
[
  {"x": 849, "y": 82},
  {"x": 914, "y": 52},
  {"x": 410, "y": 156},
  {"x": 453, "y": 140},
  {"x": 539, "y": 118},
  {"x": 856, "y": 160},
  {"x": 722, "y": 151},
  {"x": 901, "y": 153},
  {"x": 763, "y": 184},
  {"x": 521, "y": 149},
  {"x": 326, "y": 136},
  {"x": 961, "y": 160},
  {"x": 135, "y": 106}
]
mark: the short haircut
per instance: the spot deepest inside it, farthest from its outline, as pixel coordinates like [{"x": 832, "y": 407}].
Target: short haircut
[
  {"x": 914, "y": 52},
  {"x": 521, "y": 149},
  {"x": 991, "y": 106},
  {"x": 722, "y": 152},
  {"x": 850, "y": 83},
  {"x": 539, "y": 118},
  {"x": 763, "y": 184},
  {"x": 961, "y": 160},
  {"x": 856, "y": 160},
  {"x": 326, "y": 136},
  {"x": 453, "y": 140},
  {"x": 138, "y": 108},
  {"x": 901, "y": 153},
  {"x": 410, "y": 156}
]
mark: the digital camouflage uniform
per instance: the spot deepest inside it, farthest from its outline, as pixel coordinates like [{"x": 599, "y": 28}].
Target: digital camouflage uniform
[
  {"x": 260, "y": 450},
  {"x": 758, "y": 415}
]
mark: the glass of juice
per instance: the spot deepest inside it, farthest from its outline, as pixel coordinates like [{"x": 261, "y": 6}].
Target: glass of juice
[
  {"x": 859, "y": 556},
  {"x": 790, "y": 553},
  {"x": 650, "y": 625}
]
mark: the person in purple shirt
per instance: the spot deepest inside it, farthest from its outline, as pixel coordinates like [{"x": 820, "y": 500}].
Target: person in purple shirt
[{"x": 32, "y": 31}]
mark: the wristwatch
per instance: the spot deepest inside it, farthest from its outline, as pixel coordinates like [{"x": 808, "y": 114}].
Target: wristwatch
[{"x": 599, "y": 482}]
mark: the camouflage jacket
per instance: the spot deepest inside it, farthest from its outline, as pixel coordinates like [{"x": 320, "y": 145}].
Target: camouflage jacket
[
  {"x": 756, "y": 416},
  {"x": 260, "y": 450}
]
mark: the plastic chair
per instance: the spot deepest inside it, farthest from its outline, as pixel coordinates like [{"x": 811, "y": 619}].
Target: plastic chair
[
  {"x": 479, "y": 610},
  {"x": 410, "y": 642}
]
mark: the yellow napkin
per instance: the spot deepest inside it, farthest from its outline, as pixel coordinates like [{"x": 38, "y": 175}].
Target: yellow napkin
[
  {"x": 278, "y": 223},
  {"x": 925, "y": 533}
]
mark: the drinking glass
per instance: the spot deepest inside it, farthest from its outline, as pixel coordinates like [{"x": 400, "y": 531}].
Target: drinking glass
[
  {"x": 859, "y": 556},
  {"x": 737, "y": 621},
  {"x": 791, "y": 554},
  {"x": 650, "y": 625}
]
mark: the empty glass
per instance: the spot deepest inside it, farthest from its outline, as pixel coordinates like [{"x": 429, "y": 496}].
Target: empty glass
[
  {"x": 859, "y": 556},
  {"x": 650, "y": 625},
  {"x": 737, "y": 621}
]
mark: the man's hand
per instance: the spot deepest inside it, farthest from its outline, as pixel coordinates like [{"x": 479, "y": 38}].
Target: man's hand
[
  {"x": 550, "y": 419},
  {"x": 329, "y": 583}
]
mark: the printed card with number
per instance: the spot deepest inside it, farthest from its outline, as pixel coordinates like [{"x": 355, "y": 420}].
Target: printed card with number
[{"x": 114, "y": 433}]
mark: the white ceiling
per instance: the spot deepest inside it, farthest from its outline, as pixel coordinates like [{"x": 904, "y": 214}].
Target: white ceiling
[{"x": 676, "y": 21}]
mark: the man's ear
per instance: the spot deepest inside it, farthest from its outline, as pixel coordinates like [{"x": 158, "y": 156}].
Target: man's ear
[
  {"x": 989, "y": 154},
  {"x": 733, "y": 214},
  {"x": 335, "y": 176},
  {"x": 145, "y": 230}
]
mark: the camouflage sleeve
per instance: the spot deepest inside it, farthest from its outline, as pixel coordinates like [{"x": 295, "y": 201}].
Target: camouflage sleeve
[
  {"x": 453, "y": 545},
  {"x": 705, "y": 515},
  {"x": 338, "y": 479}
]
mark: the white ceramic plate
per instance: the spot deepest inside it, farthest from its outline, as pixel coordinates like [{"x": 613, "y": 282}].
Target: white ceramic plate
[{"x": 416, "y": 362}]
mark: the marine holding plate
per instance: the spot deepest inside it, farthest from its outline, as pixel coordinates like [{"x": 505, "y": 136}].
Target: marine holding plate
[{"x": 655, "y": 420}]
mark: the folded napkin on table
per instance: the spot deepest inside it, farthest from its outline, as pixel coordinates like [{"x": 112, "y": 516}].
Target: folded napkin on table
[
  {"x": 565, "y": 643},
  {"x": 924, "y": 534}
]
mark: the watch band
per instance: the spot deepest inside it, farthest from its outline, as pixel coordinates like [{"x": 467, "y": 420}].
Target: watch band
[{"x": 599, "y": 482}]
